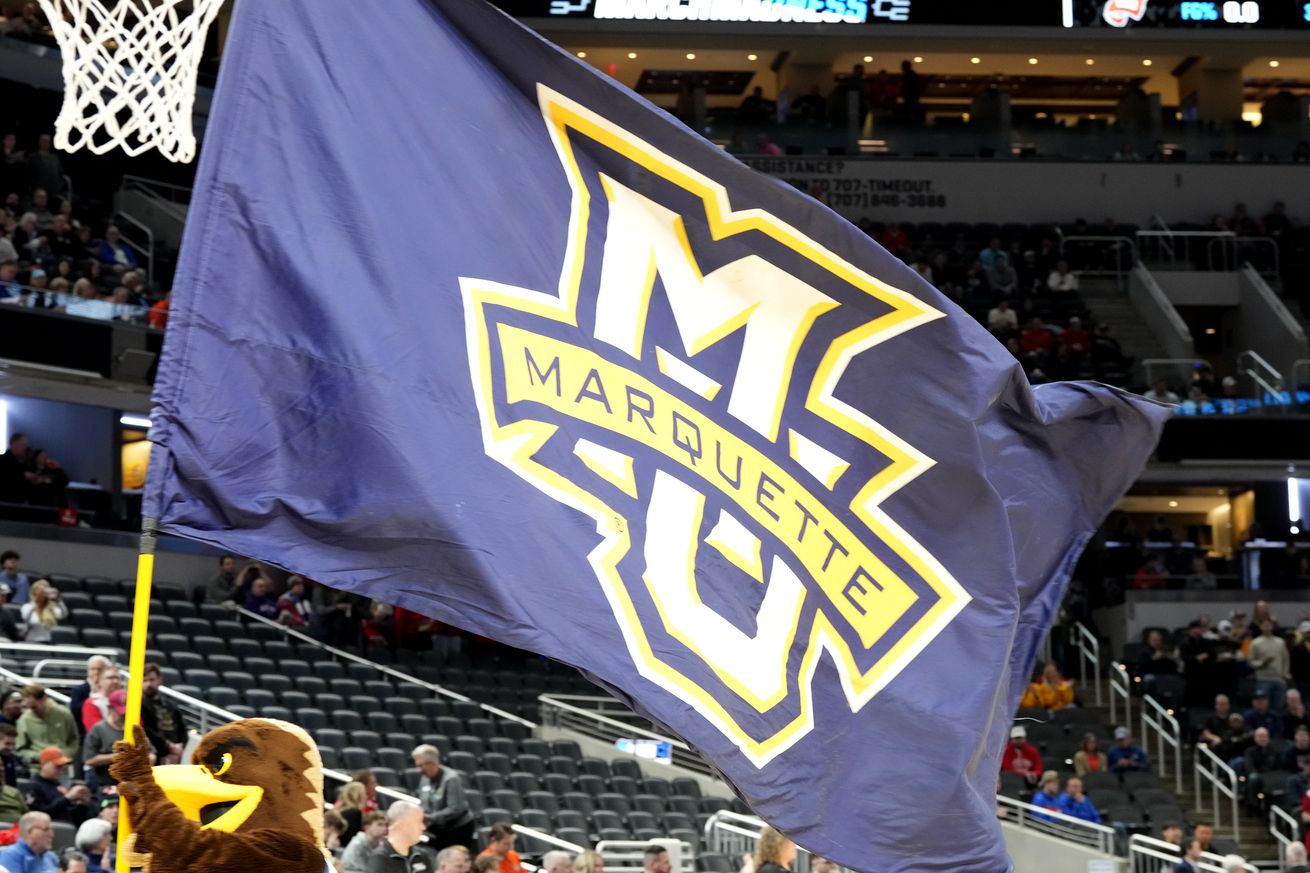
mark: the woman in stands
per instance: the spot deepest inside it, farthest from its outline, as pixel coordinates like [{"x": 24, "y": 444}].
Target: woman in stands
[
  {"x": 1089, "y": 758},
  {"x": 589, "y": 861},
  {"x": 43, "y": 611},
  {"x": 350, "y": 806},
  {"x": 1050, "y": 690},
  {"x": 774, "y": 853}
]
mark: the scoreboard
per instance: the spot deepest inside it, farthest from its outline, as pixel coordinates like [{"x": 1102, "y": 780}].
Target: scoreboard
[{"x": 1110, "y": 14}]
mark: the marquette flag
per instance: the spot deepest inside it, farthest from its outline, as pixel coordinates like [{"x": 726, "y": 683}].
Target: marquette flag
[{"x": 465, "y": 326}]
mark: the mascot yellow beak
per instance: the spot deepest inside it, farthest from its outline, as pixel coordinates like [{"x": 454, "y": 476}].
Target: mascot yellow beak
[{"x": 217, "y": 805}]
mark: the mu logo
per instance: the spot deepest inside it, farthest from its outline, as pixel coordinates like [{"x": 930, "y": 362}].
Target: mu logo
[{"x": 681, "y": 390}]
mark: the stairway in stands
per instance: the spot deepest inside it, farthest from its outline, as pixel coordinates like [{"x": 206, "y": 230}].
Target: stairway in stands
[
  {"x": 1108, "y": 301},
  {"x": 1253, "y": 837}
]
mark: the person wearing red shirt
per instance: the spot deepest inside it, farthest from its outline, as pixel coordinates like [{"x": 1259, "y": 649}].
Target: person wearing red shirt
[
  {"x": 894, "y": 240},
  {"x": 1019, "y": 757},
  {"x": 1074, "y": 341},
  {"x": 500, "y": 844},
  {"x": 1037, "y": 338},
  {"x": 93, "y": 710},
  {"x": 1150, "y": 574}
]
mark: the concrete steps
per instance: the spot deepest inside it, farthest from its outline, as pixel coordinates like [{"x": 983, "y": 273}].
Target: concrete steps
[{"x": 1108, "y": 302}]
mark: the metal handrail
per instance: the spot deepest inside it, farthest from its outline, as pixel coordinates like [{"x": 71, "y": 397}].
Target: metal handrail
[
  {"x": 628, "y": 856},
  {"x": 1234, "y": 243},
  {"x": 547, "y": 838},
  {"x": 562, "y": 710},
  {"x": 1145, "y": 853},
  {"x": 1118, "y": 241},
  {"x": 1290, "y": 828},
  {"x": 1260, "y": 371},
  {"x": 1121, "y": 686},
  {"x": 1056, "y": 824},
  {"x": 149, "y": 252},
  {"x": 385, "y": 670},
  {"x": 1210, "y": 769},
  {"x": 1169, "y": 740},
  {"x": 730, "y": 833},
  {"x": 1089, "y": 652},
  {"x": 1164, "y": 243},
  {"x": 173, "y": 192}
]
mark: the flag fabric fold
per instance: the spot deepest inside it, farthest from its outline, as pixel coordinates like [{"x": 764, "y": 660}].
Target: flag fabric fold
[{"x": 465, "y": 326}]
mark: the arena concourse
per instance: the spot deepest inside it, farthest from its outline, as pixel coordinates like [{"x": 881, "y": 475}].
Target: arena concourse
[{"x": 1124, "y": 203}]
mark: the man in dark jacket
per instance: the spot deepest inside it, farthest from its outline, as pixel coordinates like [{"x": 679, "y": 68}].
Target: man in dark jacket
[{"x": 72, "y": 805}]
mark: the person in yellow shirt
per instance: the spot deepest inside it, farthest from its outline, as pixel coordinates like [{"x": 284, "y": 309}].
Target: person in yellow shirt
[{"x": 1049, "y": 691}]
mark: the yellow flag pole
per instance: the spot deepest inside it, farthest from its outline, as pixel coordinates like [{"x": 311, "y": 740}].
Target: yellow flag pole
[{"x": 136, "y": 662}]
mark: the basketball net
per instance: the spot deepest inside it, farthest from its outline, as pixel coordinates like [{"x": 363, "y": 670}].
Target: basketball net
[{"x": 129, "y": 73}]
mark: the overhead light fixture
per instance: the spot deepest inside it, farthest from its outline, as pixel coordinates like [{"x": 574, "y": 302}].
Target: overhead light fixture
[
  {"x": 632, "y": 56},
  {"x": 1210, "y": 331},
  {"x": 1032, "y": 60},
  {"x": 1146, "y": 62},
  {"x": 752, "y": 57},
  {"x": 918, "y": 60},
  {"x": 1274, "y": 64},
  {"x": 582, "y": 54},
  {"x": 1293, "y": 499},
  {"x": 1173, "y": 504},
  {"x": 975, "y": 60},
  {"x": 868, "y": 59},
  {"x": 691, "y": 56},
  {"x": 134, "y": 421},
  {"x": 1090, "y": 61}
]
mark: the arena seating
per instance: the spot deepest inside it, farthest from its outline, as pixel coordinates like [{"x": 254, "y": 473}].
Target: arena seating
[{"x": 362, "y": 718}]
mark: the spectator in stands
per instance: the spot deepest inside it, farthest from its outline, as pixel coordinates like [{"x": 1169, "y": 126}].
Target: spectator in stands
[
  {"x": 1021, "y": 757},
  {"x": 591, "y": 861},
  {"x": 1233, "y": 864},
  {"x": 400, "y": 851},
  {"x": 366, "y": 778},
  {"x": 223, "y": 587},
  {"x": 374, "y": 831},
  {"x": 1172, "y": 832},
  {"x": 1259, "y": 759},
  {"x": 1191, "y": 858},
  {"x": 73, "y": 861},
  {"x": 10, "y": 289},
  {"x": 1203, "y": 833},
  {"x": 1073, "y": 802},
  {"x": 1269, "y": 658},
  {"x": 47, "y": 169},
  {"x": 1036, "y": 341},
  {"x": 43, "y": 611},
  {"x": 93, "y": 840},
  {"x": 1200, "y": 664},
  {"x": 1300, "y": 748},
  {"x": 655, "y": 859},
  {"x": 485, "y": 864},
  {"x": 114, "y": 252},
  {"x": 1047, "y": 795},
  {"x": 98, "y": 750},
  {"x": 31, "y": 854},
  {"x": 10, "y": 766},
  {"x": 260, "y": 599},
  {"x": 161, "y": 720},
  {"x": 293, "y": 607},
  {"x": 1002, "y": 319},
  {"x": 987, "y": 257},
  {"x": 11, "y": 707},
  {"x": 1294, "y": 712},
  {"x": 456, "y": 859},
  {"x": 1074, "y": 341},
  {"x": 1002, "y": 277},
  {"x": 500, "y": 845},
  {"x": 9, "y": 629},
  {"x": 80, "y": 693},
  {"x": 1126, "y": 755},
  {"x": 1216, "y": 725},
  {"x": 48, "y": 483},
  {"x": 1089, "y": 758},
  {"x": 45, "y": 723},
  {"x": 556, "y": 862},
  {"x": 894, "y": 239},
  {"x": 49, "y": 795},
  {"x": 9, "y": 572},
  {"x": 1299, "y": 782},
  {"x": 1260, "y": 715},
  {"x": 1062, "y": 280},
  {"x": 756, "y": 109},
  {"x": 1237, "y": 739},
  {"x": 1050, "y": 690},
  {"x": 774, "y": 853},
  {"x": 441, "y": 793},
  {"x": 333, "y": 827},
  {"x": 96, "y": 707},
  {"x": 1158, "y": 658},
  {"x": 1150, "y": 574},
  {"x": 1201, "y": 579},
  {"x": 1294, "y": 857},
  {"x": 351, "y": 800},
  {"x": 811, "y": 107}
]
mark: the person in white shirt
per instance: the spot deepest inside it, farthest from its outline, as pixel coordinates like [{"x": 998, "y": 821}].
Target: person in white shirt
[
  {"x": 1062, "y": 280},
  {"x": 1160, "y": 393},
  {"x": 1001, "y": 318},
  {"x": 370, "y": 835}
]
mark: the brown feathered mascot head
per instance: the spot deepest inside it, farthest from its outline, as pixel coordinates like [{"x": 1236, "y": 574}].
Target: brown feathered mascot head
[{"x": 251, "y": 799}]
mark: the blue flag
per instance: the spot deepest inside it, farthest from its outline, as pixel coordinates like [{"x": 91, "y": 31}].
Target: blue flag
[{"x": 465, "y": 326}]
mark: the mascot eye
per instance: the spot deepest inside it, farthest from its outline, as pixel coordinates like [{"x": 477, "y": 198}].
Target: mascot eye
[{"x": 225, "y": 764}]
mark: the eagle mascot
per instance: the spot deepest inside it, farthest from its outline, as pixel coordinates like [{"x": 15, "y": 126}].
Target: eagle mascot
[{"x": 251, "y": 800}]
